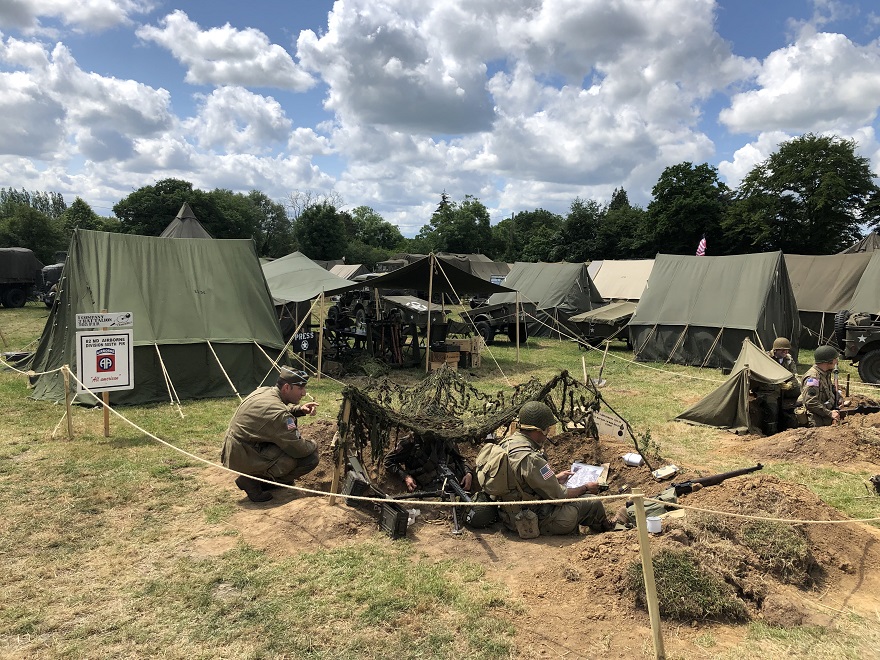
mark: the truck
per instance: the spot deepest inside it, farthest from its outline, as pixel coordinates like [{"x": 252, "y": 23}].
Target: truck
[
  {"x": 492, "y": 320},
  {"x": 858, "y": 333},
  {"x": 19, "y": 276}
]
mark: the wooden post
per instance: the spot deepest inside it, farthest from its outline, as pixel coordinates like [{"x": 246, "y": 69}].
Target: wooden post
[
  {"x": 321, "y": 335},
  {"x": 584, "y": 367},
  {"x": 430, "y": 294},
  {"x": 516, "y": 320},
  {"x": 105, "y": 399},
  {"x": 648, "y": 574},
  {"x": 66, "y": 371},
  {"x": 342, "y": 449},
  {"x": 604, "y": 357}
]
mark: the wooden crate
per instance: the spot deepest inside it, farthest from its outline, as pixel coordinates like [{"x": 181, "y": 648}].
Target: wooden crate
[{"x": 433, "y": 366}]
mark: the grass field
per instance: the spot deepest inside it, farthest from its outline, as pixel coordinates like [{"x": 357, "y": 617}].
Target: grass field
[{"x": 98, "y": 534}]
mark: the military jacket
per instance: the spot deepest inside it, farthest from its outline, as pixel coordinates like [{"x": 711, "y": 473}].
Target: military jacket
[
  {"x": 789, "y": 363},
  {"x": 818, "y": 395},
  {"x": 420, "y": 458},
  {"x": 263, "y": 431},
  {"x": 530, "y": 469}
]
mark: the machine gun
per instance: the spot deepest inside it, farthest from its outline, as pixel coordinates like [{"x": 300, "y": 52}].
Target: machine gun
[
  {"x": 687, "y": 487},
  {"x": 452, "y": 487},
  {"x": 861, "y": 409}
]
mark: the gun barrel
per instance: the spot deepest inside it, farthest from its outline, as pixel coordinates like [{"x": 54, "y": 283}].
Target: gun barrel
[{"x": 715, "y": 479}]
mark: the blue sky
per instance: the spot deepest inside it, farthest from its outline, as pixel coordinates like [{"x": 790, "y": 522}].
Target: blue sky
[{"x": 523, "y": 104}]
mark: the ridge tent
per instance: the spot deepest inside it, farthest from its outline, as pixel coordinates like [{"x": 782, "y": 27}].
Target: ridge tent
[
  {"x": 727, "y": 407},
  {"x": 869, "y": 243},
  {"x": 185, "y": 225},
  {"x": 698, "y": 310},
  {"x": 349, "y": 271},
  {"x": 823, "y": 285},
  {"x": 866, "y": 297},
  {"x": 623, "y": 279},
  {"x": 196, "y": 305},
  {"x": 558, "y": 291}
]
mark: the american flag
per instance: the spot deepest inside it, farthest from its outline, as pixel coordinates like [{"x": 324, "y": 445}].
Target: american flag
[
  {"x": 701, "y": 248},
  {"x": 547, "y": 472}
]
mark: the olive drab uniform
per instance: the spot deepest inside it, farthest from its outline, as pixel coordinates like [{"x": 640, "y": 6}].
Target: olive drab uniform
[
  {"x": 263, "y": 439},
  {"x": 420, "y": 459},
  {"x": 818, "y": 397},
  {"x": 771, "y": 398},
  {"x": 536, "y": 480}
]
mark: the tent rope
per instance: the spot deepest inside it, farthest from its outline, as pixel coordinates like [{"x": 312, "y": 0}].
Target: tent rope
[
  {"x": 677, "y": 343},
  {"x": 645, "y": 343},
  {"x": 712, "y": 348},
  {"x": 168, "y": 383},
  {"x": 228, "y": 379}
]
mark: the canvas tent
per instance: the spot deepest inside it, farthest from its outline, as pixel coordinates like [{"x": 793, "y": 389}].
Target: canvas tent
[
  {"x": 869, "y": 243},
  {"x": 727, "y": 407},
  {"x": 185, "y": 225},
  {"x": 866, "y": 297},
  {"x": 196, "y": 305},
  {"x": 623, "y": 279},
  {"x": 698, "y": 310},
  {"x": 823, "y": 285},
  {"x": 349, "y": 271},
  {"x": 558, "y": 291}
]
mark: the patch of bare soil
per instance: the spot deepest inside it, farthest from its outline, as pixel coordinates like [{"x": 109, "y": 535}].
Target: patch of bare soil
[{"x": 572, "y": 587}]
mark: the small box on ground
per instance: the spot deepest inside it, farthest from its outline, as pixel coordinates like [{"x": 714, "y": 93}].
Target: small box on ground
[{"x": 393, "y": 519}]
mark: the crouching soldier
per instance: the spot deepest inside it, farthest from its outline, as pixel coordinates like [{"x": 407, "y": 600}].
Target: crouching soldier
[{"x": 819, "y": 400}]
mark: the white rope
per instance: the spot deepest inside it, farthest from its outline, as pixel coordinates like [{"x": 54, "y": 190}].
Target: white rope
[
  {"x": 228, "y": 379},
  {"x": 172, "y": 392}
]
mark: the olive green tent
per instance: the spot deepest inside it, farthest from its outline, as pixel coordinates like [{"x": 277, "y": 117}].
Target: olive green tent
[
  {"x": 866, "y": 297},
  {"x": 698, "y": 310},
  {"x": 823, "y": 285},
  {"x": 727, "y": 407},
  {"x": 201, "y": 310},
  {"x": 869, "y": 243},
  {"x": 185, "y": 225},
  {"x": 558, "y": 291}
]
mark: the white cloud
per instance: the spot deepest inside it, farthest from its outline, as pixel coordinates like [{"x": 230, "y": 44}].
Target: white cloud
[
  {"x": 748, "y": 156},
  {"x": 823, "y": 82},
  {"x": 82, "y": 15},
  {"x": 225, "y": 55},
  {"x": 237, "y": 120}
]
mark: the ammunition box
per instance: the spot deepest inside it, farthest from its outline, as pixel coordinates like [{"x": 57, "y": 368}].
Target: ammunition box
[
  {"x": 393, "y": 519},
  {"x": 356, "y": 485}
]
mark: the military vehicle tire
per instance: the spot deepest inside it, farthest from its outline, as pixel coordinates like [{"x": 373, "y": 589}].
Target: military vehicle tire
[
  {"x": 869, "y": 367},
  {"x": 486, "y": 332},
  {"x": 15, "y": 298},
  {"x": 360, "y": 316},
  {"x": 840, "y": 327},
  {"x": 523, "y": 333}
]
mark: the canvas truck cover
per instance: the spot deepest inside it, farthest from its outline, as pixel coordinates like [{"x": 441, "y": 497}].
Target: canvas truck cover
[
  {"x": 727, "y": 407},
  {"x": 823, "y": 285},
  {"x": 183, "y": 293},
  {"x": 19, "y": 264},
  {"x": 866, "y": 297},
  {"x": 698, "y": 310}
]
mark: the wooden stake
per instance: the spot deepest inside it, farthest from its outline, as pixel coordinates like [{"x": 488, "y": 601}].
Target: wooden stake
[
  {"x": 604, "y": 357},
  {"x": 342, "y": 448},
  {"x": 321, "y": 336},
  {"x": 105, "y": 398},
  {"x": 584, "y": 367},
  {"x": 430, "y": 294},
  {"x": 516, "y": 320},
  {"x": 648, "y": 573},
  {"x": 66, "y": 371}
]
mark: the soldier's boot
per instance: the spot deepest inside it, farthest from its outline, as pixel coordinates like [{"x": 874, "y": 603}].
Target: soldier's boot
[
  {"x": 253, "y": 489},
  {"x": 771, "y": 428}
]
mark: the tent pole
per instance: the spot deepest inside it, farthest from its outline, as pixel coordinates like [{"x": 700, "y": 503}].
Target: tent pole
[
  {"x": 516, "y": 320},
  {"x": 321, "y": 318},
  {"x": 430, "y": 294},
  {"x": 66, "y": 371}
]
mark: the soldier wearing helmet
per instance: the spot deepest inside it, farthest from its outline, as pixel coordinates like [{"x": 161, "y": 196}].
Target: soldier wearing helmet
[
  {"x": 819, "y": 399},
  {"x": 263, "y": 439},
  {"x": 536, "y": 480},
  {"x": 775, "y": 398}
]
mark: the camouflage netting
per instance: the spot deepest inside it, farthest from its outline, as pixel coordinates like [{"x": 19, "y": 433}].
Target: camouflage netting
[{"x": 445, "y": 406}]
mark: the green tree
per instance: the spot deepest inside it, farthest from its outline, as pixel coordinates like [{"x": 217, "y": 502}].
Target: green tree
[
  {"x": 459, "y": 227},
  {"x": 273, "y": 234},
  {"x": 79, "y": 215},
  {"x": 320, "y": 232},
  {"x": 148, "y": 210},
  {"x": 809, "y": 197},
  {"x": 624, "y": 232},
  {"x": 373, "y": 230},
  {"x": 578, "y": 239},
  {"x": 525, "y": 235},
  {"x": 27, "y": 227},
  {"x": 688, "y": 202},
  {"x": 50, "y": 204}
]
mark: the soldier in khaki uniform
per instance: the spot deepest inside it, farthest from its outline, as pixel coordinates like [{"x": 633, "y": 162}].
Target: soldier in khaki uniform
[
  {"x": 772, "y": 397},
  {"x": 536, "y": 480},
  {"x": 819, "y": 400},
  {"x": 263, "y": 439}
]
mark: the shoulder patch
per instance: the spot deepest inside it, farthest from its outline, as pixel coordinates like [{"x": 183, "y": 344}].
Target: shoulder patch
[
  {"x": 547, "y": 472},
  {"x": 291, "y": 423},
  {"x": 811, "y": 382}
]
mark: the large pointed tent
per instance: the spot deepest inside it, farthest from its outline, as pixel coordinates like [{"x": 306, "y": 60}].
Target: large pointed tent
[
  {"x": 202, "y": 315},
  {"x": 823, "y": 285},
  {"x": 869, "y": 243},
  {"x": 185, "y": 225},
  {"x": 698, "y": 310},
  {"x": 727, "y": 407},
  {"x": 558, "y": 291},
  {"x": 866, "y": 297}
]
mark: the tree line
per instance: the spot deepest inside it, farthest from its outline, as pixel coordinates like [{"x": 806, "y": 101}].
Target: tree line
[{"x": 812, "y": 196}]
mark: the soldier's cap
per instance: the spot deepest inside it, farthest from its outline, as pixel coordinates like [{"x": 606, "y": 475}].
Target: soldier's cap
[
  {"x": 293, "y": 376},
  {"x": 825, "y": 354}
]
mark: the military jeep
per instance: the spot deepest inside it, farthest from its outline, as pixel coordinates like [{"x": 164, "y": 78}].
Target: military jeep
[{"x": 859, "y": 335}]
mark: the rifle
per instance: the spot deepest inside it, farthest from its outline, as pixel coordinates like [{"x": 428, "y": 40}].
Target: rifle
[
  {"x": 687, "y": 487},
  {"x": 450, "y": 481},
  {"x": 861, "y": 409}
]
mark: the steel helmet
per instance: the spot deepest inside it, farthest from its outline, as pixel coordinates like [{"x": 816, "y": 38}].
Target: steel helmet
[
  {"x": 825, "y": 354},
  {"x": 536, "y": 416},
  {"x": 781, "y": 343}
]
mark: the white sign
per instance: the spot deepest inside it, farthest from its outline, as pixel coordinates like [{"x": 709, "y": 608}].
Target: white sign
[
  {"x": 609, "y": 424},
  {"x": 105, "y": 360},
  {"x": 104, "y": 320}
]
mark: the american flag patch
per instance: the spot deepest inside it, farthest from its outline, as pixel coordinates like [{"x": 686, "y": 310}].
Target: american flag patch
[
  {"x": 291, "y": 423},
  {"x": 812, "y": 382},
  {"x": 547, "y": 472}
]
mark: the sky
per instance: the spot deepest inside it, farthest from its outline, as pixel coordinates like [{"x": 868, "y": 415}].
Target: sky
[{"x": 523, "y": 104}]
